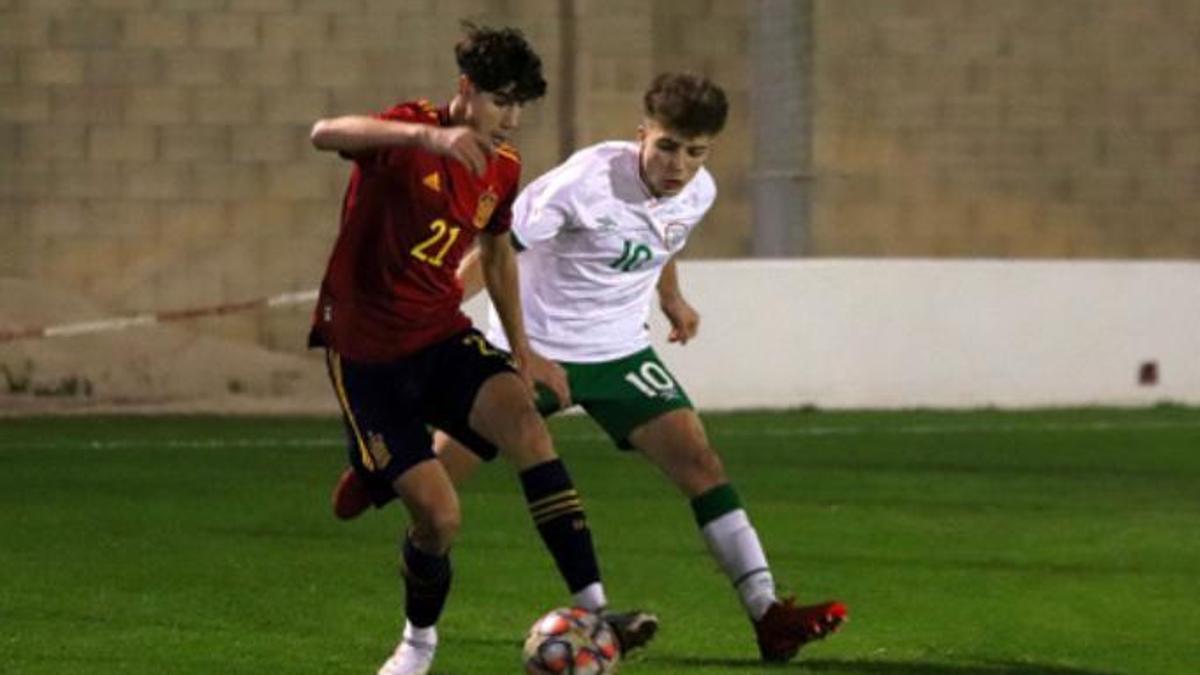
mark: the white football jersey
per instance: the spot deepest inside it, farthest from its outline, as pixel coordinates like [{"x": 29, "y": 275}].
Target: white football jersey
[{"x": 595, "y": 244}]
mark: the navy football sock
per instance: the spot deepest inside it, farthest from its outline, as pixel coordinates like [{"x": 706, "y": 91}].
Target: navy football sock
[
  {"x": 558, "y": 514},
  {"x": 426, "y": 584}
]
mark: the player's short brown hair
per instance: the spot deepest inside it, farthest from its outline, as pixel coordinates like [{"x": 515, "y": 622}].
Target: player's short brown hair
[
  {"x": 499, "y": 58},
  {"x": 688, "y": 104}
]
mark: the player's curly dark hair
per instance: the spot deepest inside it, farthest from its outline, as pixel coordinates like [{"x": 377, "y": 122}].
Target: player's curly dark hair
[
  {"x": 688, "y": 104},
  {"x": 494, "y": 59}
]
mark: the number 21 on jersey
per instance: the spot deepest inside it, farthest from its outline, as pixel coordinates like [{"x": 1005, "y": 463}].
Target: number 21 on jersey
[{"x": 443, "y": 237}]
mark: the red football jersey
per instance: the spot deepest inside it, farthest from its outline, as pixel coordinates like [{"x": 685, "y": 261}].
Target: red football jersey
[{"x": 407, "y": 219}]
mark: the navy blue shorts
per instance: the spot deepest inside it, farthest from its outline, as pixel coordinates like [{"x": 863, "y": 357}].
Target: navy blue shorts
[{"x": 388, "y": 408}]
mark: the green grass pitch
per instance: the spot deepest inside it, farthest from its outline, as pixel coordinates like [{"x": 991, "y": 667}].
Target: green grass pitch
[{"x": 1058, "y": 543}]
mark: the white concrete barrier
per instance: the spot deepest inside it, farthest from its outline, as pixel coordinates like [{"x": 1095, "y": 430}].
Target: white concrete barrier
[{"x": 922, "y": 333}]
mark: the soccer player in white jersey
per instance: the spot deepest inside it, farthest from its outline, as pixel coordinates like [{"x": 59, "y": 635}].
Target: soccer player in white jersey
[{"x": 599, "y": 236}]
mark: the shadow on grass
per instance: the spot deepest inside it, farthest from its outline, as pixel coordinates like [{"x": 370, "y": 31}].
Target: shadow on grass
[
  {"x": 832, "y": 666},
  {"x": 880, "y": 667}
]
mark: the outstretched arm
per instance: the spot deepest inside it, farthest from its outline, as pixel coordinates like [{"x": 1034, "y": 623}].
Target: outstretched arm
[
  {"x": 498, "y": 261},
  {"x": 358, "y": 133},
  {"x": 685, "y": 320}
]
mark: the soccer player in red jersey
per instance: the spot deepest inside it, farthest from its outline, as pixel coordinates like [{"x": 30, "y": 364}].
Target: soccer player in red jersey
[{"x": 426, "y": 182}]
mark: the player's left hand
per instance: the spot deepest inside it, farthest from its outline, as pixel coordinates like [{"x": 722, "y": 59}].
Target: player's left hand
[
  {"x": 685, "y": 320},
  {"x": 533, "y": 367}
]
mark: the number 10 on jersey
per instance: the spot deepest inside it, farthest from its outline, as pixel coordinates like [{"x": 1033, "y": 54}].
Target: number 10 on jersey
[{"x": 653, "y": 381}]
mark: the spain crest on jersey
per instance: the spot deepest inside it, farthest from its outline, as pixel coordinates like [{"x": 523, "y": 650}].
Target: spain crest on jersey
[
  {"x": 485, "y": 207},
  {"x": 378, "y": 449}
]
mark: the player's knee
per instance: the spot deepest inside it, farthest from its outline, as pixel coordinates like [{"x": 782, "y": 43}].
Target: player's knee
[
  {"x": 435, "y": 518},
  {"x": 531, "y": 433},
  {"x": 446, "y": 525},
  {"x": 701, "y": 470},
  {"x": 528, "y": 441},
  {"x": 708, "y": 464},
  {"x": 437, "y": 530}
]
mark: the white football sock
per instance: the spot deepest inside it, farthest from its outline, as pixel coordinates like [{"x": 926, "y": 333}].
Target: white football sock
[
  {"x": 591, "y": 597},
  {"x": 426, "y": 635},
  {"x": 733, "y": 542},
  {"x": 414, "y": 654}
]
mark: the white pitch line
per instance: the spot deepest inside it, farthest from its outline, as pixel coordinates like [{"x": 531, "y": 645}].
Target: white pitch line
[
  {"x": 777, "y": 432},
  {"x": 935, "y": 429}
]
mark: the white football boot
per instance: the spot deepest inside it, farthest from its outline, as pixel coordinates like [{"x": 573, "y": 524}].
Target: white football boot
[{"x": 414, "y": 654}]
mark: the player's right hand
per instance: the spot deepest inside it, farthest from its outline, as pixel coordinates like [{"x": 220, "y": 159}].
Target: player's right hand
[
  {"x": 460, "y": 143},
  {"x": 685, "y": 320},
  {"x": 533, "y": 367}
]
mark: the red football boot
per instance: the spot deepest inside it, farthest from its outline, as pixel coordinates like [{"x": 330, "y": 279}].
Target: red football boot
[
  {"x": 785, "y": 628},
  {"x": 350, "y": 496}
]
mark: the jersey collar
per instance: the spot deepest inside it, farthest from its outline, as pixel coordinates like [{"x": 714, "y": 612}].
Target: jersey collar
[{"x": 650, "y": 203}]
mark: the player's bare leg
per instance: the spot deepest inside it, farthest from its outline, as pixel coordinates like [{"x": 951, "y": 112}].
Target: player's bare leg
[
  {"x": 676, "y": 443},
  {"x": 428, "y": 494},
  {"x": 460, "y": 463},
  {"x": 503, "y": 413},
  {"x": 434, "y": 520}
]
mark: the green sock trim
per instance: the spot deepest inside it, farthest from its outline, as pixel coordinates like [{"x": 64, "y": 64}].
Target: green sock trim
[{"x": 715, "y": 503}]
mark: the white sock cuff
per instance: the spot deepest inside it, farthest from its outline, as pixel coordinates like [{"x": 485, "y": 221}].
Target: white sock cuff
[
  {"x": 591, "y": 597},
  {"x": 426, "y": 635},
  {"x": 731, "y": 522}
]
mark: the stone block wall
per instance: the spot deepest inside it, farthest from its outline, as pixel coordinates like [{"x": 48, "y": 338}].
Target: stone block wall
[
  {"x": 1020, "y": 128},
  {"x": 154, "y": 153}
]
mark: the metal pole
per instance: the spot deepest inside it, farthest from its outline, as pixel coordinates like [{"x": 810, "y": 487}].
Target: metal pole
[
  {"x": 781, "y": 184},
  {"x": 568, "y": 77}
]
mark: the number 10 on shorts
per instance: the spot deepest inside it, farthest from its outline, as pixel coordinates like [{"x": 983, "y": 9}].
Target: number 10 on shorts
[{"x": 653, "y": 380}]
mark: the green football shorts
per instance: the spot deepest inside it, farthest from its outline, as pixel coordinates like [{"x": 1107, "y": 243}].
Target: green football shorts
[{"x": 620, "y": 395}]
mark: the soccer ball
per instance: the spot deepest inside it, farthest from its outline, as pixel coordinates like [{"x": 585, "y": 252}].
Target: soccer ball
[{"x": 571, "y": 642}]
